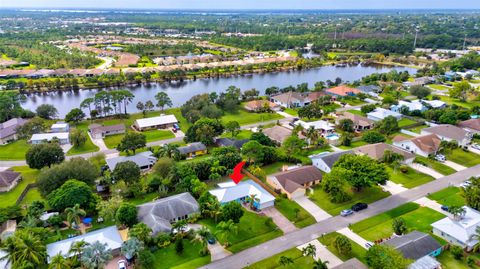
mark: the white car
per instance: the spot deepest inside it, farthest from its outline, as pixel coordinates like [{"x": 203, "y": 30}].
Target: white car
[
  {"x": 369, "y": 244},
  {"x": 476, "y": 146},
  {"x": 440, "y": 158},
  {"x": 465, "y": 184},
  {"x": 122, "y": 264}
]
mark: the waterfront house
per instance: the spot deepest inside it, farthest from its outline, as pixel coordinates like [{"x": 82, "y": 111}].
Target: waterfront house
[
  {"x": 160, "y": 122},
  {"x": 98, "y": 131},
  {"x": 260, "y": 105},
  {"x": 294, "y": 182},
  {"x": 60, "y": 127},
  {"x": 290, "y": 99},
  {"x": 342, "y": 91}
]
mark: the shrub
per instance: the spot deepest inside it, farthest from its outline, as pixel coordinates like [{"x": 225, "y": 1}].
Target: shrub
[
  {"x": 373, "y": 137},
  {"x": 457, "y": 252},
  {"x": 404, "y": 169},
  {"x": 127, "y": 214}
]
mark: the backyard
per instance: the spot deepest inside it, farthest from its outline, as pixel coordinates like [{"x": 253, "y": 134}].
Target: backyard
[
  {"x": 358, "y": 251},
  {"x": 451, "y": 196},
  {"x": 28, "y": 176},
  {"x": 355, "y": 144},
  {"x": 299, "y": 261},
  {"x": 244, "y": 117},
  {"x": 405, "y": 122},
  {"x": 168, "y": 258},
  {"x": 294, "y": 212},
  {"x": 464, "y": 158},
  {"x": 410, "y": 179},
  {"x": 14, "y": 151}
]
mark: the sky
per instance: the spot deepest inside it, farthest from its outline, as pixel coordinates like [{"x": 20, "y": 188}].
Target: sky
[{"x": 246, "y": 4}]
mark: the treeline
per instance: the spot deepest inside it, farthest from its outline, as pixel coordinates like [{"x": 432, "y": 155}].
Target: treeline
[{"x": 153, "y": 50}]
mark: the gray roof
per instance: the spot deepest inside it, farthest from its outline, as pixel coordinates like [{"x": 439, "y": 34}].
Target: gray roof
[
  {"x": 191, "y": 148},
  {"x": 353, "y": 263},
  {"x": 226, "y": 142},
  {"x": 331, "y": 158},
  {"x": 369, "y": 88},
  {"x": 7, "y": 177},
  {"x": 414, "y": 245},
  {"x": 426, "y": 262},
  {"x": 141, "y": 159},
  {"x": 447, "y": 130},
  {"x": 9, "y": 127},
  {"x": 159, "y": 214},
  {"x": 96, "y": 128}
]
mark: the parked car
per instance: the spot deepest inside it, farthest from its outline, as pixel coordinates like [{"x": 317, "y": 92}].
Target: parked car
[
  {"x": 211, "y": 239},
  {"x": 346, "y": 212},
  {"x": 466, "y": 184},
  {"x": 359, "y": 206},
  {"x": 441, "y": 158},
  {"x": 174, "y": 130},
  {"x": 444, "y": 208},
  {"x": 476, "y": 146},
  {"x": 369, "y": 244},
  {"x": 122, "y": 264}
]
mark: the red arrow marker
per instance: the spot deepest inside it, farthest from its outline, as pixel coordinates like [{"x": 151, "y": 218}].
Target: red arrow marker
[{"x": 237, "y": 175}]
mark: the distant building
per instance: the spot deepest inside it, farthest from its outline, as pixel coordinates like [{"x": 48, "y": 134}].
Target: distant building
[
  {"x": 448, "y": 132},
  {"x": 240, "y": 192},
  {"x": 63, "y": 138},
  {"x": 294, "y": 182},
  {"x": 145, "y": 160},
  {"x": 380, "y": 113},
  {"x": 377, "y": 151},
  {"x": 353, "y": 263},
  {"x": 424, "y": 145},
  {"x": 8, "y": 130},
  {"x": 98, "y": 131},
  {"x": 8, "y": 180},
  {"x": 160, "y": 122},
  {"x": 60, "y": 127},
  {"x": 325, "y": 161},
  {"x": 193, "y": 149},
  {"x": 342, "y": 91}
]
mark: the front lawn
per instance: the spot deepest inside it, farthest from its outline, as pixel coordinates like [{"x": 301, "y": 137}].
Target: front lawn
[
  {"x": 358, "y": 251},
  {"x": 380, "y": 226},
  {"x": 112, "y": 141},
  {"x": 253, "y": 229},
  {"x": 357, "y": 112},
  {"x": 168, "y": 258},
  {"x": 464, "y": 158},
  {"x": 294, "y": 212},
  {"x": 28, "y": 176},
  {"x": 353, "y": 145},
  {"x": 243, "y": 134},
  {"x": 299, "y": 261},
  {"x": 244, "y": 117},
  {"x": 367, "y": 195},
  {"x": 85, "y": 148},
  {"x": 14, "y": 151},
  {"x": 437, "y": 166},
  {"x": 451, "y": 196},
  {"x": 156, "y": 135},
  {"x": 410, "y": 179},
  {"x": 405, "y": 122},
  {"x": 291, "y": 111}
]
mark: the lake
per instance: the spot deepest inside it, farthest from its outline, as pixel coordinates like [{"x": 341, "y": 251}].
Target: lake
[{"x": 180, "y": 92}]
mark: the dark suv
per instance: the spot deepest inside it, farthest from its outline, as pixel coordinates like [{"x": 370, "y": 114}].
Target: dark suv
[{"x": 359, "y": 206}]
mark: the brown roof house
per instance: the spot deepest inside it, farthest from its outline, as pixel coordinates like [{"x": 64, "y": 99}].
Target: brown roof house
[
  {"x": 8, "y": 180},
  {"x": 376, "y": 151},
  {"x": 343, "y": 91},
  {"x": 294, "y": 182},
  {"x": 360, "y": 123},
  {"x": 424, "y": 145},
  {"x": 260, "y": 105},
  {"x": 98, "y": 131},
  {"x": 471, "y": 125},
  {"x": 279, "y": 133},
  {"x": 449, "y": 132}
]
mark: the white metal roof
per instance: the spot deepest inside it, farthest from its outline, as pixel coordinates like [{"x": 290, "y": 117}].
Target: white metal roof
[
  {"x": 318, "y": 125},
  {"x": 244, "y": 188},
  {"x": 381, "y": 113},
  {"x": 59, "y": 125},
  {"x": 463, "y": 229},
  {"x": 160, "y": 120},
  {"x": 49, "y": 136}
]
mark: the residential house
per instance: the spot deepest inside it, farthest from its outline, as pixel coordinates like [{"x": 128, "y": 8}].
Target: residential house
[
  {"x": 242, "y": 192},
  {"x": 325, "y": 161},
  {"x": 381, "y": 113},
  {"x": 109, "y": 236},
  {"x": 98, "y": 131},
  {"x": 60, "y": 127},
  {"x": 260, "y": 105},
  {"x": 8, "y": 130},
  {"x": 448, "y": 132},
  {"x": 372, "y": 90},
  {"x": 408, "y": 106},
  {"x": 377, "y": 151},
  {"x": 342, "y": 91},
  {"x": 435, "y": 103},
  {"x": 422, "y": 81},
  {"x": 193, "y": 149},
  {"x": 325, "y": 128},
  {"x": 63, "y": 138},
  {"x": 471, "y": 126},
  {"x": 424, "y": 145},
  {"x": 360, "y": 123},
  {"x": 279, "y": 133},
  {"x": 352, "y": 263},
  {"x": 145, "y": 160},
  {"x": 294, "y": 182},
  {"x": 160, "y": 122},
  {"x": 415, "y": 246},
  {"x": 290, "y": 99},
  {"x": 8, "y": 180},
  {"x": 459, "y": 231},
  {"x": 230, "y": 142},
  {"x": 160, "y": 214}
]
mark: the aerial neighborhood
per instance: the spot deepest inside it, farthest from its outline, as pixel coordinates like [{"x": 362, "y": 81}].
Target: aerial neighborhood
[{"x": 121, "y": 146}]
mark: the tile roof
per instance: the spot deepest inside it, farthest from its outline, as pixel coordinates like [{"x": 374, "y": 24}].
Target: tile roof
[
  {"x": 447, "y": 130},
  {"x": 414, "y": 245},
  {"x": 427, "y": 143},
  {"x": 259, "y": 104},
  {"x": 473, "y": 124},
  {"x": 331, "y": 158},
  {"x": 376, "y": 151},
  {"x": 291, "y": 180},
  {"x": 289, "y": 97},
  {"x": 7, "y": 177},
  {"x": 192, "y": 147},
  {"x": 343, "y": 90},
  {"x": 357, "y": 119}
]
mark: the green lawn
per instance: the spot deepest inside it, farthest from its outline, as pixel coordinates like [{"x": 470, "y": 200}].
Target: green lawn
[
  {"x": 367, "y": 195},
  {"x": 243, "y": 134},
  {"x": 190, "y": 258},
  {"x": 112, "y": 141},
  {"x": 28, "y": 176},
  {"x": 380, "y": 226},
  {"x": 355, "y": 144},
  {"x": 437, "y": 166},
  {"x": 85, "y": 148},
  {"x": 451, "y": 101},
  {"x": 356, "y": 112},
  {"x": 252, "y": 230},
  {"x": 464, "y": 158},
  {"x": 405, "y": 122},
  {"x": 449, "y": 262},
  {"x": 438, "y": 87},
  {"x": 358, "y": 251},
  {"x": 32, "y": 195},
  {"x": 418, "y": 129},
  {"x": 274, "y": 167},
  {"x": 14, "y": 151},
  {"x": 291, "y": 111},
  {"x": 288, "y": 209},
  {"x": 156, "y": 135},
  {"x": 244, "y": 117},
  {"x": 450, "y": 196},
  {"x": 410, "y": 179},
  {"x": 300, "y": 261}
]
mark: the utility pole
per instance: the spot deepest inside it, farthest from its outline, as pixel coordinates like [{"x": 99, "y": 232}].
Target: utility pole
[
  {"x": 415, "y": 41},
  {"x": 464, "y": 41}
]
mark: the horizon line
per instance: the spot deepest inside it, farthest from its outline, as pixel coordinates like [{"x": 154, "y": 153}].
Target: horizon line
[{"x": 241, "y": 9}]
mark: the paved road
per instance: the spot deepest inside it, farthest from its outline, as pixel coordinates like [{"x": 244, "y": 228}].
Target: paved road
[{"x": 294, "y": 239}]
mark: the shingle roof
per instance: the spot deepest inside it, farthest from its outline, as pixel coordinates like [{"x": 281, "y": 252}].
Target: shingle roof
[
  {"x": 447, "y": 130},
  {"x": 226, "y": 142},
  {"x": 7, "y": 177},
  {"x": 96, "y": 128},
  {"x": 357, "y": 119},
  {"x": 376, "y": 151},
  {"x": 191, "y": 148},
  {"x": 245, "y": 188},
  {"x": 369, "y": 88},
  {"x": 414, "y": 245},
  {"x": 427, "y": 143},
  {"x": 9, "y": 127},
  {"x": 330, "y": 158},
  {"x": 353, "y": 263},
  {"x": 158, "y": 214},
  {"x": 473, "y": 124},
  {"x": 141, "y": 159},
  {"x": 290, "y": 97},
  {"x": 291, "y": 180}
]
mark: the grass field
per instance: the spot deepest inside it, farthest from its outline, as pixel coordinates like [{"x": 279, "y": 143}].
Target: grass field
[
  {"x": 356, "y": 112},
  {"x": 405, "y": 122},
  {"x": 291, "y": 111},
  {"x": 464, "y": 158},
  {"x": 288, "y": 209},
  {"x": 14, "y": 151},
  {"x": 367, "y": 195},
  {"x": 358, "y": 251},
  {"x": 380, "y": 226},
  {"x": 244, "y": 117},
  {"x": 299, "y": 261},
  {"x": 451, "y": 101},
  {"x": 355, "y": 144},
  {"x": 437, "y": 166},
  {"x": 243, "y": 134},
  {"x": 156, "y": 135},
  {"x": 168, "y": 258},
  {"x": 450, "y": 196},
  {"x": 410, "y": 179},
  {"x": 28, "y": 176},
  {"x": 85, "y": 148},
  {"x": 112, "y": 141},
  {"x": 438, "y": 87}
]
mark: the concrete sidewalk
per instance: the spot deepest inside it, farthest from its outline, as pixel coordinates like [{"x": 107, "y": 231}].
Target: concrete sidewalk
[
  {"x": 354, "y": 237},
  {"x": 312, "y": 208},
  {"x": 426, "y": 170},
  {"x": 455, "y": 166},
  {"x": 393, "y": 187},
  {"x": 426, "y": 202},
  {"x": 280, "y": 220},
  {"x": 323, "y": 253}
]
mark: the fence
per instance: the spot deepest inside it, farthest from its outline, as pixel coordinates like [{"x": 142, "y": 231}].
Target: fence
[
  {"x": 259, "y": 182},
  {"x": 24, "y": 192}
]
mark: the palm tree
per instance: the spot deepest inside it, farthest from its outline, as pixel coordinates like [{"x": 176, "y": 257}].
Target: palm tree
[
  {"x": 170, "y": 151},
  {"x": 201, "y": 237},
  {"x": 476, "y": 236},
  {"x": 180, "y": 226},
  {"x": 252, "y": 199},
  {"x": 457, "y": 211},
  {"x": 312, "y": 136},
  {"x": 59, "y": 262},
  {"x": 319, "y": 264},
  {"x": 24, "y": 248},
  {"x": 74, "y": 213},
  {"x": 284, "y": 261},
  {"x": 131, "y": 248},
  {"x": 225, "y": 228},
  {"x": 310, "y": 250},
  {"x": 96, "y": 255},
  {"x": 28, "y": 222}
]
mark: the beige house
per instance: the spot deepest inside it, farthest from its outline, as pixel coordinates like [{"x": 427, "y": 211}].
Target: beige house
[
  {"x": 376, "y": 152},
  {"x": 279, "y": 133},
  {"x": 294, "y": 182},
  {"x": 360, "y": 123}
]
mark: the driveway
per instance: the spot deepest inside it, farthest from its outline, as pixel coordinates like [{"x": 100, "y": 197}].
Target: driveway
[
  {"x": 455, "y": 166},
  {"x": 217, "y": 251},
  {"x": 280, "y": 220},
  {"x": 312, "y": 208},
  {"x": 474, "y": 150},
  {"x": 113, "y": 264},
  {"x": 393, "y": 187},
  {"x": 98, "y": 142},
  {"x": 424, "y": 201},
  {"x": 322, "y": 253},
  {"x": 426, "y": 170},
  {"x": 353, "y": 236}
]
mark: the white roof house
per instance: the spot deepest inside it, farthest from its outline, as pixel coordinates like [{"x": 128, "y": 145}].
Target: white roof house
[
  {"x": 60, "y": 127},
  {"x": 39, "y": 138},
  {"x": 380, "y": 113},
  {"x": 155, "y": 121},
  {"x": 435, "y": 103},
  {"x": 109, "y": 235},
  {"x": 411, "y": 106},
  {"x": 318, "y": 125},
  {"x": 239, "y": 192},
  {"x": 459, "y": 232}
]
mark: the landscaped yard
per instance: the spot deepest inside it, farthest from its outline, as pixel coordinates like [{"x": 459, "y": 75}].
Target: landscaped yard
[
  {"x": 437, "y": 166},
  {"x": 85, "y": 148},
  {"x": 358, "y": 251},
  {"x": 367, "y": 195},
  {"x": 405, "y": 122},
  {"x": 410, "y": 179},
  {"x": 355, "y": 144},
  {"x": 450, "y": 196},
  {"x": 156, "y": 135},
  {"x": 464, "y": 158},
  {"x": 253, "y": 229},
  {"x": 244, "y": 117},
  {"x": 243, "y": 134},
  {"x": 294, "y": 212},
  {"x": 300, "y": 261},
  {"x": 190, "y": 258},
  {"x": 356, "y": 112},
  {"x": 14, "y": 151},
  {"x": 28, "y": 176},
  {"x": 380, "y": 226},
  {"x": 112, "y": 141}
]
